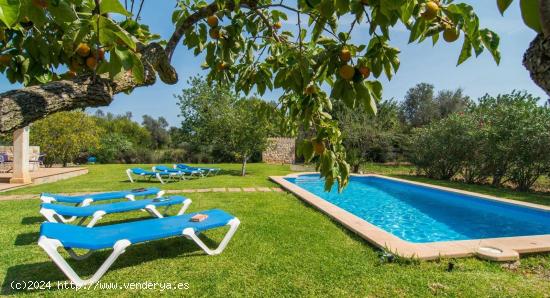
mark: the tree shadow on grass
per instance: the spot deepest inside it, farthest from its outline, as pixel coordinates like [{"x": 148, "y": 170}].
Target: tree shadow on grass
[{"x": 135, "y": 255}]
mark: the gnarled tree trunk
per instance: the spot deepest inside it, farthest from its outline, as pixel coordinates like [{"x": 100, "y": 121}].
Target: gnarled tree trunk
[{"x": 537, "y": 57}]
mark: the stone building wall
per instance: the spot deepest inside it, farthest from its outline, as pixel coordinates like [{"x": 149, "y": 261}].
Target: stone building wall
[{"x": 280, "y": 150}]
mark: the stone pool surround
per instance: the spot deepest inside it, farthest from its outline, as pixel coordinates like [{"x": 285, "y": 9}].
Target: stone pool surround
[{"x": 495, "y": 249}]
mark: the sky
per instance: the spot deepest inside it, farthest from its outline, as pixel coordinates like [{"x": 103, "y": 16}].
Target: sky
[{"x": 419, "y": 63}]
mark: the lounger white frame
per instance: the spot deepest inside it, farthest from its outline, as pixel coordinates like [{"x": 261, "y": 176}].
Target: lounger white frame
[
  {"x": 50, "y": 246},
  {"x": 53, "y": 216},
  {"x": 157, "y": 175},
  {"x": 86, "y": 202}
]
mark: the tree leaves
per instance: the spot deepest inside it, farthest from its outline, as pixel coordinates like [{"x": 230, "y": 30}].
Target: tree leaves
[
  {"x": 503, "y": 5},
  {"x": 9, "y": 11},
  {"x": 530, "y": 14},
  {"x": 113, "y": 6}
]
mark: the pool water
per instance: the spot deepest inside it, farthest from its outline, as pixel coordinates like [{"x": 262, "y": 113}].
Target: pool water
[{"x": 421, "y": 214}]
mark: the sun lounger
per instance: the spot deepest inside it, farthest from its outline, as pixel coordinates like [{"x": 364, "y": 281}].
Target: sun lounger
[
  {"x": 207, "y": 171},
  {"x": 181, "y": 172},
  {"x": 149, "y": 174},
  {"x": 121, "y": 236},
  {"x": 87, "y": 199},
  {"x": 59, "y": 213}
]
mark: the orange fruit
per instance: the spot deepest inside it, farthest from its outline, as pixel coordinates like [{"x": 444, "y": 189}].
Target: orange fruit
[
  {"x": 365, "y": 71},
  {"x": 83, "y": 50},
  {"x": 277, "y": 25},
  {"x": 5, "y": 59},
  {"x": 345, "y": 55},
  {"x": 212, "y": 21},
  {"x": 432, "y": 8},
  {"x": 214, "y": 33},
  {"x": 70, "y": 74},
  {"x": 450, "y": 34},
  {"x": 101, "y": 54},
  {"x": 222, "y": 66},
  {"x": 346, "y": 72},
  {"x": 310, "y": 90},
  {"x": 318, "y": 147},
  {"x": 40, "y": 3},
  {"x": 91, "y": 62}
]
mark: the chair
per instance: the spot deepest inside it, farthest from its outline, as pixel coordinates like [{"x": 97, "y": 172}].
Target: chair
[
  {"x": 121, "y": 236},
  {"x": 149, "y": 174},
  {"x": 180, "y": 172},
  {"x": 58, "y": 212},
  {"x": 208, "y": 171},
  {"x": 87, "y": 199}
]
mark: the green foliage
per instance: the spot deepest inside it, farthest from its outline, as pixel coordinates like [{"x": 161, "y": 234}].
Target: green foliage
[
  {"x": 63, "y": 136},
  {"x": 248, "y": 51},
  {"x": 504, "y": 138},
  {"x": 529, "y": 12},
  {"x": 158, "y": 129},
  {"x": 41, "y": 38},
  {"x": 421, "y": 106},
  {"x": 368, "y": 138},
  {"x": 213, "y": 115}
]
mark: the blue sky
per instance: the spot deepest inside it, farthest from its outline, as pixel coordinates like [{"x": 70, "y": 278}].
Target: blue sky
[{"x": 419, "y": 63}]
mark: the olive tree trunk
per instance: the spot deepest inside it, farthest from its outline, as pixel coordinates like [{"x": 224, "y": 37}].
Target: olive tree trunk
[
  {"x": 537, "y": 57},
  {"x": 243, "y": 166}
]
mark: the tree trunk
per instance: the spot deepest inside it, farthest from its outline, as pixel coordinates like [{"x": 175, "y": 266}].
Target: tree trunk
[
  {"x": 537, "y": 61},
  {"x": 19, "y": 108},
  {"x": 243, "y": 167}
]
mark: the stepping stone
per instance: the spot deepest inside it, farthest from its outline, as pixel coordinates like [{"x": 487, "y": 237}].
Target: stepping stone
[
  {"x": 234, "y": 190},
  {"x": 222, "y": 189},
  {"x": 249, "y": 189},
  {"x": 277, "y": 189},
  {"x": 188, "y": 190},
  {"x": 204, "y": 190},
  {"x": 264, "y": 189}
]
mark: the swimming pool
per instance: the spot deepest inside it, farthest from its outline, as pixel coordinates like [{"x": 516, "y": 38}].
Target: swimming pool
[
  {"x": 420, "y": 214},
  {"x": 416, "y": 216}
]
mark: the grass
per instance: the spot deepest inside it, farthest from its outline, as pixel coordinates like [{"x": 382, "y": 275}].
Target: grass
[
  {"x": 283, "y": 248},
  {"x": 113, "y": 177}
]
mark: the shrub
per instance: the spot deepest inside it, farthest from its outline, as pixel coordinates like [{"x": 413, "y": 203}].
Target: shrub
[{"x": 439, "y": 150}]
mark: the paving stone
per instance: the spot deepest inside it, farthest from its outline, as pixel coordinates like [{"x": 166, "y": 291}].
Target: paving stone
[{"x": 234, "y": 189}]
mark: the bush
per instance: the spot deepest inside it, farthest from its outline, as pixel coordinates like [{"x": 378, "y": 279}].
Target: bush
[
  {"x": 504, "y": 138},
  {"x": 439, "y": 150}
]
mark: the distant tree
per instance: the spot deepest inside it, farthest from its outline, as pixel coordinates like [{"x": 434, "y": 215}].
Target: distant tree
[
  {"x": 123, "y": 125},
  {"x": 160, "y": 136},
  {"x": 216, "y": 118},
  {"x": 63, "y": 136},
  {"x": 367, "y": 137},
  {"x": 419, "y": 107},
  {"x": 452, "y": 101}
]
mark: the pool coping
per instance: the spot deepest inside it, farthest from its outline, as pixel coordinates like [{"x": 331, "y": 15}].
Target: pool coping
[{"x": 495, "y": 249}]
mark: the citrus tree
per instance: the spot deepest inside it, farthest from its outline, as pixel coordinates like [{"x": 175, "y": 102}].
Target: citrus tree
[{"x": 79, "y": 53}]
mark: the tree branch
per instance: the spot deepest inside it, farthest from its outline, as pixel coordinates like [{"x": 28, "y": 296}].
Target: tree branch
[{"x": 19, "y": 108}]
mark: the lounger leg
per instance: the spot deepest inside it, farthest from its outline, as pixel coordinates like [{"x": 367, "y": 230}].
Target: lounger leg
[
  {"x": 78, "y": 257},
  {"x": 129, "y": 173},
  {"x": 190, "y": 233},
  {"x": 159, "y": 178},
  {"x": 50, "y": 247},
  {"x": 52, "y": 216},
  {"x": 186, "y": 204},
  {"x": 97, "y": 216},
  {"x": 153, "y": 211}
]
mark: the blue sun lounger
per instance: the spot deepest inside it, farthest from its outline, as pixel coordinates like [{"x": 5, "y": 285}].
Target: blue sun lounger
[
  {"x": 208, "y": 171},
  {"x": 181, "y": 172},
  {"x": 59, "y": 213},
  {"x": 121, "y": 236},
  {"x": 150, "y": 174},
  {"x": 87, "y": 199}
]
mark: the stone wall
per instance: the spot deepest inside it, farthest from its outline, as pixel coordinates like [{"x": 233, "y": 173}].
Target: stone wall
[{"x": 280, "y": 150}]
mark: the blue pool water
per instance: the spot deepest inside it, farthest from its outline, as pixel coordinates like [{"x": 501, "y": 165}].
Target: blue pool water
[{"x": 421, "y": 214}]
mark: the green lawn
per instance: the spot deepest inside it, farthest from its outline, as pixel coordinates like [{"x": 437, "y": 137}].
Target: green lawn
[
  {"x": 113, "y": 177},
  {"x": 283, "y": 248}
]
